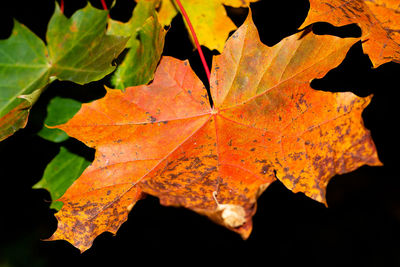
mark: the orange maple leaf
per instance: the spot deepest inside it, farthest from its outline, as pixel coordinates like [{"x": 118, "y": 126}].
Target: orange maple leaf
[
  {"x": 164, "y": 139},
  {"x": 379, "y": 21}
]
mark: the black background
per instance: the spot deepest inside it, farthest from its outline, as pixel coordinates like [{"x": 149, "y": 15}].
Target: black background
[{"x": 360, "y": 227}]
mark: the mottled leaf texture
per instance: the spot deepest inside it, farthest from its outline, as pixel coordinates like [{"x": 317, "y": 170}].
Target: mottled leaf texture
[
  {"x": 379, "y": 21},
  {"x": 146, "y": 45},
  {"x": 60, "y": 173},
  {"x": 165, "y": 140},
  {"x": 59, "y": 111},
  {"x": 209, "y": 18},
  {"x": 77, "y": 50}
]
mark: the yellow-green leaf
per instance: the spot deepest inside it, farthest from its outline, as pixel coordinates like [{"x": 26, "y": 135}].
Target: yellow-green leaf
[
  {"x": 146, "y": 45},
  {"x": 209, "y": 19}
]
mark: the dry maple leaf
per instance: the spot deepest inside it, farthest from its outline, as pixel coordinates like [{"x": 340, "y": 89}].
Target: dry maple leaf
[
  {"x": 165, "y": 140},
  {"x": 379, "y": 21}
]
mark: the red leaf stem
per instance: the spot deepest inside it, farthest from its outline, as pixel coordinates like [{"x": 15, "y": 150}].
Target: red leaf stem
[
  {"x": 196, "y": 41},
  {"x": 103, "y": 3}
]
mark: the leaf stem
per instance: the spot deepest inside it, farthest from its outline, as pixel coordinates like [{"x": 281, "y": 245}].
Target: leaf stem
[
  {"x": 62, "y": 6},
  {"x": 196, "y": 41},
  {"x": 103, "y": 3}
]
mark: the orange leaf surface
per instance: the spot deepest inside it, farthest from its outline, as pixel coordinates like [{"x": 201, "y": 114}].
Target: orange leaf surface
[
  {"x": 165, "y": 140},
  {"x": 379, "y": 21}
]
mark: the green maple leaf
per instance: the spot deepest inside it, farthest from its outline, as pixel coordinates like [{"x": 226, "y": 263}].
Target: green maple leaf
[
  {"x": 77, "y": 50},
  {"x": 60, "y": 173},
  {"x": 146, "y": 45},
  {"x": 59, "y": 111}
]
